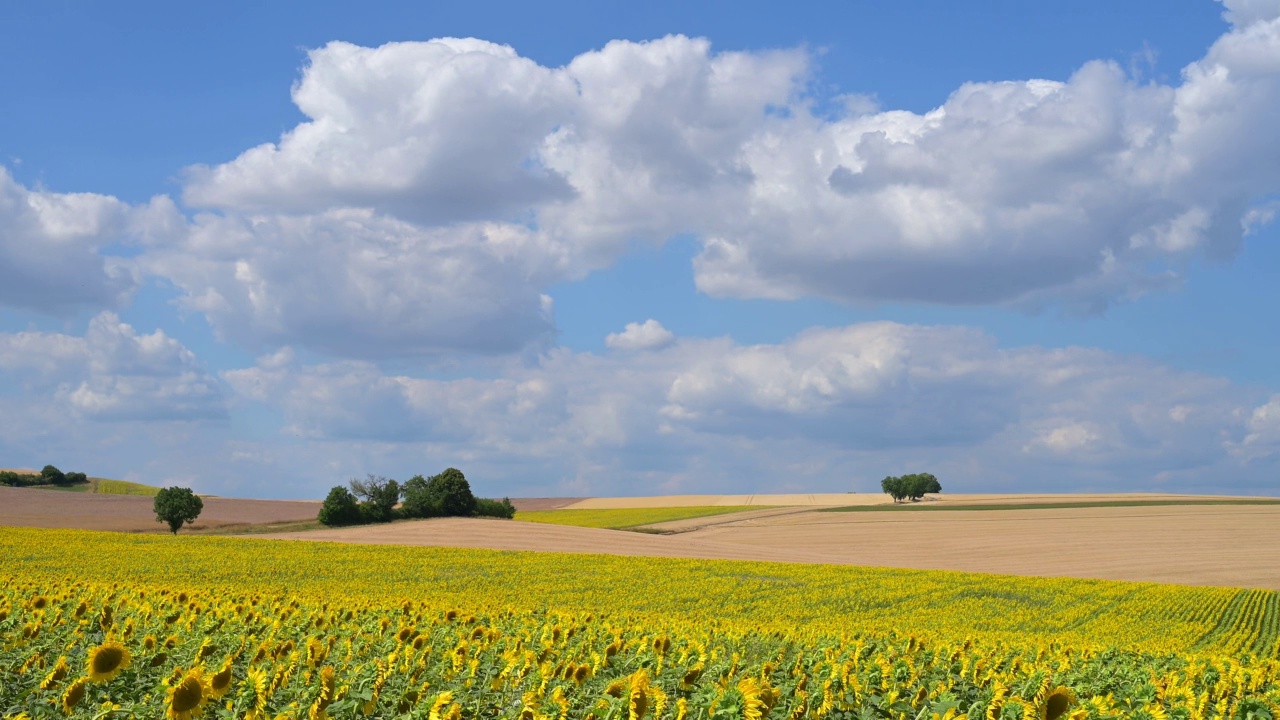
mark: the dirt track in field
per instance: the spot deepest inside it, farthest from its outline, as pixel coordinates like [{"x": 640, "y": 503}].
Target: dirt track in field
[
  {"x": 28, "y": 507},
  {"x": 1229, "y": 545}
]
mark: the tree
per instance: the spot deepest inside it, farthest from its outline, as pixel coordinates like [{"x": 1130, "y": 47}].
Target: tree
[
  {"x": 893, "y": 486},
  {"x": 417, "y": 501},
  {"x": 380, "y": 496},
  {"x": 451, "y": 494},
  {"x": 914, "y": 486},
  {"x": 53, "y": 475},
  {"x": 176, "y": 506},
  {"x": 339, "y": 508}
]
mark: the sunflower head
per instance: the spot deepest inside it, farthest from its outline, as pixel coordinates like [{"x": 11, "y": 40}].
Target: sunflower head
[
  {"x": 638, "y": 702},
  {"x": 107, "y": 660},
  {"x": 187, "y": 696},
  {"x": 254, "y": 693},
  {"x": 56, "y": 675},
  {"x": 220, "y": 682},
  {"x": 1057, "y": 703},
  {"x": 74, "y": 694}
]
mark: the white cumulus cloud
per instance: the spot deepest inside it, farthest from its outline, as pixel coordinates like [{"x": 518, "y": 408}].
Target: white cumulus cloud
[
  {"x": 353, "y": 283},
  {"x": 648, "y": 335},
  {"x": 1082, "y": 190},
  {"x": 52, "y": 247},
  {"x": 845, "y": 404},
  {"x": 113, "y": 373}
]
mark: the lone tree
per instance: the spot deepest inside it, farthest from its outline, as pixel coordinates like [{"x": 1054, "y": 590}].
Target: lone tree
[
  {"x": 177, "y": 506},
  {"x": 911, "y": 487}
]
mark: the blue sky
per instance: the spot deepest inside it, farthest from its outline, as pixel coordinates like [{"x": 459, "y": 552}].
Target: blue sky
[{"x": 606, "y": 249}]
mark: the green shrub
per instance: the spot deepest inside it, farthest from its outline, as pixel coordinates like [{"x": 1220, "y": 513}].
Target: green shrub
[
  {"x": 340, "y": 508},
  {"x": 495, "y": 508},
  {"x": 13, "y": 479},
  {"x": 50, "y": 475}
]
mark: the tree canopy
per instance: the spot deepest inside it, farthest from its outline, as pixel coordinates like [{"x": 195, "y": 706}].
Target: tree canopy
[
  {"x": 50, "y": 475},
  {"x": 910, "y": 487},
  {"x": 340, "y": 508},
  {"x": 375, "y": 499},
  {"x": 177, "y": 506}
]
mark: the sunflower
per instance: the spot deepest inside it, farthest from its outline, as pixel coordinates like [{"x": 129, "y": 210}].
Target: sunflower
[
  {"x": 442, "y": 701},
  {"x": 73, "y": 695},
  {"x": 220, "y": 682},
  {"x": 107, "y": 660},
  {"x": 1057, "y": 703},
  {"x": 187, "y": 696},
  {"x": 254, "y": 693},
  {"x": 319, "y": 709},
  {"x": 638, "y": 701},
  {"x": 56, "y": 675}
]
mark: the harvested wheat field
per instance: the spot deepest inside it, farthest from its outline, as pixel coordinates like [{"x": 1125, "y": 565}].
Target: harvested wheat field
[
  {"x": 28, "y": 507},
  {"x": 1224, "y": 545},
  {"x": 858, "y": 499}
]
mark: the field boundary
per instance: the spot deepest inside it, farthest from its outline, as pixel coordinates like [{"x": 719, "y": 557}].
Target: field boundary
[{"x": 945, "y": 507}]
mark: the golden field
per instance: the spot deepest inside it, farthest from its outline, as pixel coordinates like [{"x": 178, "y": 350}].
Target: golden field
[
  {"x": 99, "y": 625},
  {"x": 1223, "y": 545}
]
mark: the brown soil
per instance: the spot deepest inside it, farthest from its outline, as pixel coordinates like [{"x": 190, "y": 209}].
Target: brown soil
[
  {"x": 28, "y": 507},
  {"x": 849, "y": 499},
  {"x": 1230, "y": 545},
  {"x": 532, "y": 504}
]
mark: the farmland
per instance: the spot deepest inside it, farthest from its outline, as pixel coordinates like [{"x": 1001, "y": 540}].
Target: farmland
[
  {"x": 132, "y": 511},
  {"x": 618, "y": 518},
  {"x": 1188, "y": 544},
  {"x": 256, "y": 628}
]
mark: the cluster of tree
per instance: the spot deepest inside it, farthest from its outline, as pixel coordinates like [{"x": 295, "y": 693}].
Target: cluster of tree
[
  {"x": 177, "y": 506},
  {"x": 910, "y": 487},
  {"x": 50, "y": 475},
  {"x": 379, "y": 499}
]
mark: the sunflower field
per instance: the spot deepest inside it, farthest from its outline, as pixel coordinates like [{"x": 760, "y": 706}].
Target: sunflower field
[{"x": 98, "y": 625}]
